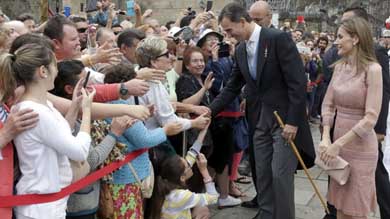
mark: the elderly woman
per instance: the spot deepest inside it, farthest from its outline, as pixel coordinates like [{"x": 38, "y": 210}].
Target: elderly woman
[
  {"x": 191, "y": 88},
  {"x": 152, "y": 52}
]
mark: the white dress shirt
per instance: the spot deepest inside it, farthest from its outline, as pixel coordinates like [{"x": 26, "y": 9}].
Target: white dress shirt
[
  {"x": 252, "y": 46},
  {"x": 44, "y": 152}
]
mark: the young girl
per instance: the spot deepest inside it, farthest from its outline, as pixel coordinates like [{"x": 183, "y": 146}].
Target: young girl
[
  {"x": 170, "y": 198},
  {"x": 43, "y": 151}
]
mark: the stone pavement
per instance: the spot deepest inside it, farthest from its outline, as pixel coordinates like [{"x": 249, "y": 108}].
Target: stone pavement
[{"x": 307, "y": 204}]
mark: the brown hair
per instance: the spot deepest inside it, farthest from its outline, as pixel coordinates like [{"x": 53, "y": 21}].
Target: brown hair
[
  {"x": 365, "y": 47},
  {"x": 20, "y": 67},
  {"x": 119, "y": 73},
  {"x": 167, "y": 180},
  {"x": 188, "y": 53},
  {"x": 145, "y": 27},
  {"x": 4, "y": 39}
]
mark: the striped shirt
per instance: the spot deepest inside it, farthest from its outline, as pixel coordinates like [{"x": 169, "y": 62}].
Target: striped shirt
[
  {"x": 3, "y": 114},
  {"x": 3, "y": 118},
  {"x": 178, "y": 203}
]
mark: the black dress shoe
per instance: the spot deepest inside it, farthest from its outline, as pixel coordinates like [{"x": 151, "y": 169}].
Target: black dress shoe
[
  {"x": 250, "y": 204},
  {"x": 328, "y": 216}
]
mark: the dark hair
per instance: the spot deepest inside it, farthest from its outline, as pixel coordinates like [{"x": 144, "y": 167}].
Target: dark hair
[
  {"x": 128, "y": 36},
  {"x": 30, "y": 38},
  {"x": 119, "y": 73},
  {"x": 169, "y": 23},
  {"x": 25, "y": 16},
  {"x": 67, "y": 75},
  {"x": 300, "y": 30},
  {"x": 76, "y": 19},
  {"x": 167, "y": 180},
  {"x": 171, "y": 45},
  {"x": 187, "y": 56},
  {"x": 357, "y": 11},
  {"x": 234, "y": 12},
  {"x": 54, "y": 28},
  {"x": 323, "y": 39},
  {"x": 19, "y": 68}
]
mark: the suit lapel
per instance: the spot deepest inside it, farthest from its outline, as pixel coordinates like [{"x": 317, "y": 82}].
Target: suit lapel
[{"x": 262, "y": 49}]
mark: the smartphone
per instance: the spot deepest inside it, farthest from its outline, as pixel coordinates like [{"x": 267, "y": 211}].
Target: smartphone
[
  {"x": 86, "y": 79},
  {"x": 81, "y": 7},
  {"x": 224, "y": 50},
  {"x": 209, "y": 5},
  {"x": 130, "y": 8}
]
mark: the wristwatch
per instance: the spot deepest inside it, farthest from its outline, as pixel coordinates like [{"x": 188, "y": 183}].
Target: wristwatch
[{"x": 123, "y": 90}]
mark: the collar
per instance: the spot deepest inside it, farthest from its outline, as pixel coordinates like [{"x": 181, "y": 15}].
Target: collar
[{"x": 255, "y": 34}]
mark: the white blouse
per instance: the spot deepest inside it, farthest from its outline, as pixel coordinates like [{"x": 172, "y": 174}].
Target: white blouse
[
  {"x": 44, "y": 152},
  {"x": 164, "y": 112}
]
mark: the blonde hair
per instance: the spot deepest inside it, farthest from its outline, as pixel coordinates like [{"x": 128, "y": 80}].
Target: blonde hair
[
  {"x": 360, "y": 28},
  {"x": 4, "y": 39},
  {"x": 19, "y": 68},
  {"x": 149, "y": 49}
]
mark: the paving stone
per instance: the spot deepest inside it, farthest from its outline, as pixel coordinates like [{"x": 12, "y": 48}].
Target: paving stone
[{"x": 307, "y": 204}]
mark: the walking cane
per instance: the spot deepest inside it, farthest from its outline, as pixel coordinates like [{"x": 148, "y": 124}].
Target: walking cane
[{"x": 294, "y": 147}]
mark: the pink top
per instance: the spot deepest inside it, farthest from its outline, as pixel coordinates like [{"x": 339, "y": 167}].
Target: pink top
[
  {"x": 358, "y": 93},
  {"x": 7, "y": 174}
]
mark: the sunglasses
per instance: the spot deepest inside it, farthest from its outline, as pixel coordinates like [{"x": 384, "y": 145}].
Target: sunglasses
[
  {"x": 82, "y": 30},
  {"x": 166, "y": 54}
]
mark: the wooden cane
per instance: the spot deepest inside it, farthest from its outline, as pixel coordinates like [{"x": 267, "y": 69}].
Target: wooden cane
[{"x": 296, "y": 152}]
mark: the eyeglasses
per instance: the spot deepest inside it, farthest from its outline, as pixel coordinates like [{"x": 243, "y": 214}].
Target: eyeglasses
[
  {"x": 166, "y": 54},
  {"x": 212, "y": 39},
  {"x": 82, "y": 30}
]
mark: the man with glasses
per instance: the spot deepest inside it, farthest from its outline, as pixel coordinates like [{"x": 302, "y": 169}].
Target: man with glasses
[{"x": 82, "y": 28}]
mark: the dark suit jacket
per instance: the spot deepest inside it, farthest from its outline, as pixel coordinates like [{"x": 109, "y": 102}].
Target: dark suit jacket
[
  {"x": 331, "y": 57},
  {"x": 280, "y": 85}
]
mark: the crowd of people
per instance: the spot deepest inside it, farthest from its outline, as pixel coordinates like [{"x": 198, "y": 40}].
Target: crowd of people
[{"x": 79, "y": 93}]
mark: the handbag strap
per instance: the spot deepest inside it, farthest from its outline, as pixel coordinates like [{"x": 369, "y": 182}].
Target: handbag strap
[{"x": 134, "y": 173}]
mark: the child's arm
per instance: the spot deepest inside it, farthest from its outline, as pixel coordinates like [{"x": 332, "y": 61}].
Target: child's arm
[{"x": 197, "y": 146}]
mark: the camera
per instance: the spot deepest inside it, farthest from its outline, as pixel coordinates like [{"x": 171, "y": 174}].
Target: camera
[
  {"x": 187, "y": 34},
  {"x": 224, "y": 50}
]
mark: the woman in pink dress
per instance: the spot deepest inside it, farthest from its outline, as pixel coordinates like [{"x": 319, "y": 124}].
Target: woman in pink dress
[{"x": 354, "y": 98}]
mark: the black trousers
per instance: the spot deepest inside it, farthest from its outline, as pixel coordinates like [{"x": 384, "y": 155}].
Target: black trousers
[
  {"x": 382, "y": 184},
  {"x": 90, "y": 216}
]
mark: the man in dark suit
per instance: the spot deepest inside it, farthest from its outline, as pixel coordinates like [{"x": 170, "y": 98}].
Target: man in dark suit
[
  {"x": 381, "y": 176},
  {"x": 268, "y": 63}
]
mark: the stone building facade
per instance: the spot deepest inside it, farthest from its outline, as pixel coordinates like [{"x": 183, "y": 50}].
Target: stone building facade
[{"x": 321, "y": 15}]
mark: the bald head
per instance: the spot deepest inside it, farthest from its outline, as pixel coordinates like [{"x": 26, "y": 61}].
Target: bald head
[
  {"x": 15, "y": 28},
  {"x": 261, "y": 13}
]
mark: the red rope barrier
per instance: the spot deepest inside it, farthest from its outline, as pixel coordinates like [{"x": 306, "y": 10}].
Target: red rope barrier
[{"x": 29, "y": 199}]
